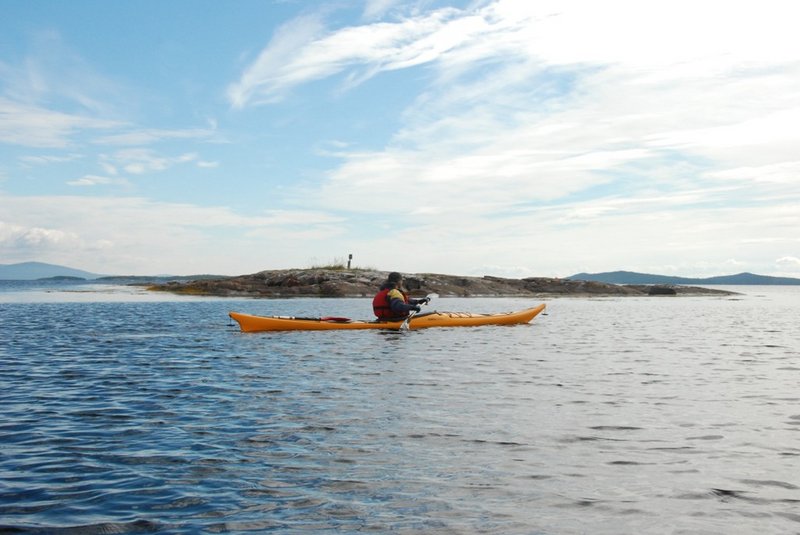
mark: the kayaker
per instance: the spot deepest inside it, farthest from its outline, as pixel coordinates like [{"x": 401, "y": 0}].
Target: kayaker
[{"x": 391, "y": 302}]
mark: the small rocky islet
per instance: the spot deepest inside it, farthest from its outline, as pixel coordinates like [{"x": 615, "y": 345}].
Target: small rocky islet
[{"x": 324, "y": 282}]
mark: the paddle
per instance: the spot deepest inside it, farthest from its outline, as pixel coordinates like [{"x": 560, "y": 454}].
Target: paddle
[{"x": 404, "y": 325}]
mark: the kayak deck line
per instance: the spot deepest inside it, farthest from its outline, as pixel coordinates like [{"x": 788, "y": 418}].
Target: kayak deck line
[{"x": 251, "y": 323}]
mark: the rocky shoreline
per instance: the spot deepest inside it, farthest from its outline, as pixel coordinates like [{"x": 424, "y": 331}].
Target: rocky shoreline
[{"x": 364, "y": 283}]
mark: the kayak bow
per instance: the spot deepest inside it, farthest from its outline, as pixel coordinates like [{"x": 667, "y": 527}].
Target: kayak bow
[{"x": 249, "y": 323}]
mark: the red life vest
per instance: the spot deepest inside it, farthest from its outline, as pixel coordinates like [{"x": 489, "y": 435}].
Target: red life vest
[{"x": 383, "y": 308}]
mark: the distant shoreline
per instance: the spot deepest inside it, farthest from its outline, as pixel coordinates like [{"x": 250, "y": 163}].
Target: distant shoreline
[{"x": 32, "y": 271}]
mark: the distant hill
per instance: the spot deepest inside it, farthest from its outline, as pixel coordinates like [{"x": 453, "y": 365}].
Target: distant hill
[
  {"x": 630, "y": 277},
  {"x": 40, "y": 270}
]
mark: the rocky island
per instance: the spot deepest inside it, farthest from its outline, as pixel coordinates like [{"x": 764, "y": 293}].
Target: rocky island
[{"x": 328, "y": 282}]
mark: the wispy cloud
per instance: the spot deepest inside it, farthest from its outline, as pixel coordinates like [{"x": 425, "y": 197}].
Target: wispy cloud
[
  {"x": 269, "y": 77},
  {"x": 53, "y": 98},
  {"x": 35, "y": 126},
  {"x": 139, "y": 161},
  {"x": 54, "y": 72},
  {"x": 52, "y": 95},
  {"x": 374, "y": 9},
  {"x": 45, "y": 159},
  {"x": 302, "y": 51},
  {"x": 96, "y": 180},
  {"x": 153, "y": 135}
]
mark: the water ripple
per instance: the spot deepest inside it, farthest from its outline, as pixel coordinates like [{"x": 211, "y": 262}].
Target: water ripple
[{"x": 607, "y": 416}]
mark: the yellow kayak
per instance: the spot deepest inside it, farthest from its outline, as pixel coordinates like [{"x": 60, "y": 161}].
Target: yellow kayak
[{"x": 250, "y": 323}]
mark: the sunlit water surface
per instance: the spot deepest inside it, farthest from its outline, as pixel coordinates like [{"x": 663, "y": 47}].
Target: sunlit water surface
[{"x": 125, "y": 411}]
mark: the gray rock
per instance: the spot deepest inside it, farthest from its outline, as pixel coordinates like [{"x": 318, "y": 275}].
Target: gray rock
[{"x": 365, "y": 283}]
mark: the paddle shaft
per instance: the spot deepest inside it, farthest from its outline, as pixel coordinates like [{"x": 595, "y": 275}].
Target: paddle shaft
[{"x": 404, "y": 325}]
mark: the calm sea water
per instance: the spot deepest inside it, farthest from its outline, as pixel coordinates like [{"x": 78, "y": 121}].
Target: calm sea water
[{"x": 130, "y": 412}]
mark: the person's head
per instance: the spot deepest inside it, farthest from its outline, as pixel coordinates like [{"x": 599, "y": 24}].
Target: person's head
[{"x": 395, "y": 278}]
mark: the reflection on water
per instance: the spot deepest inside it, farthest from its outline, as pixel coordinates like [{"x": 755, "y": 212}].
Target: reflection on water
[{"x": 632, "y": 415}]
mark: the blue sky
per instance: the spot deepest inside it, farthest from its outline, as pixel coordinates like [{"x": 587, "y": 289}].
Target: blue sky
[{"x": 502, "y": 137}]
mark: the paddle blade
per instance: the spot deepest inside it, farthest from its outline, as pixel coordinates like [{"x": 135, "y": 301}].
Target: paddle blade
[{"x": 405, "y": 325}]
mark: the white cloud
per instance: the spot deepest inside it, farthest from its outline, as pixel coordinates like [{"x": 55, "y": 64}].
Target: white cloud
[
  {"x": 682, "y": 35},
  {"x": 655, "y": 42},
  {"x": 33, "y": 126},
  {"x": 575, "y": 93},
  {"x": 53, "y": 70},
  {"x": 268, "y": 77},
  {"x": 778, "y": 173},
  {"x": 107, "y": 167},
  {"x": 135, "y": 235},
  {"x": 13, "y": 236},
  {"x": 50, "y": 159},
  {"x": 53, "y": 98},
  {"x": 301, "y": 52},
  {"x": 789, "y": 262},
  {"x": 95, "y": 180},
  {"x": 583, "y": 97},
  {"x": 139, "y": 161},
  {"x": 153, "y": 135},
  {"x": 374, "y": 9}
]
